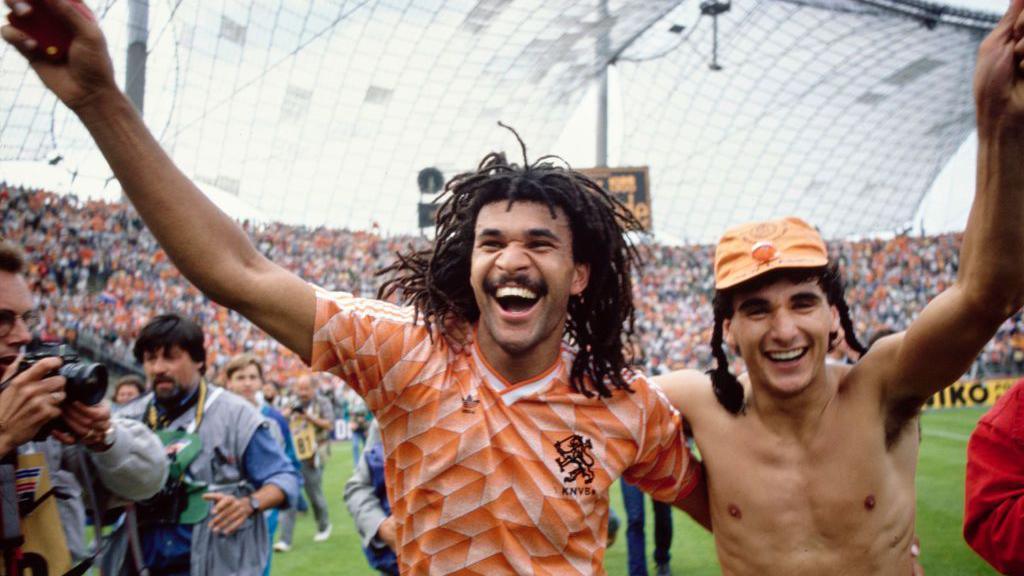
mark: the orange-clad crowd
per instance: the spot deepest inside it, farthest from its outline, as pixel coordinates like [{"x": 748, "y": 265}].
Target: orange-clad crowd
[{"x": 98, "y": 273}]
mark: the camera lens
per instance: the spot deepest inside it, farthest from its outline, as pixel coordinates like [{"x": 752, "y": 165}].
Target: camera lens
[{"x": 86, "y": 382}]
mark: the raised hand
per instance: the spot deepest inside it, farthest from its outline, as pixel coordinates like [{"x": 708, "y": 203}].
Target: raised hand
[
  {"x": 999, "y": 75},
  {"x": 87, "y": 74}
]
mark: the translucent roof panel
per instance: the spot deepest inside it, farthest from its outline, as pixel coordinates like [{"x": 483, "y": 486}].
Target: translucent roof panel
[
  {"x": 839, "y": 112},
  {"x": 324, "y": 112}
]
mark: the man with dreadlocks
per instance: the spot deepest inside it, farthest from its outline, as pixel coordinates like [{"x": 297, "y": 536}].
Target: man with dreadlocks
[
  {"x": 498, "y": 460},
  {"x": 810, "y": 465}
]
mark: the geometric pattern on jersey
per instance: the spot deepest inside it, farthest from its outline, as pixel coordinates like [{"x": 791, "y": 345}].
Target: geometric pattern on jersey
[{"x": 486, "y": 476}]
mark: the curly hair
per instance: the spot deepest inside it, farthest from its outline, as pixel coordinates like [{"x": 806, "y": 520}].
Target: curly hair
[
  {"x": 436, "y": 281},
  {"x": 727, "y": 388}
]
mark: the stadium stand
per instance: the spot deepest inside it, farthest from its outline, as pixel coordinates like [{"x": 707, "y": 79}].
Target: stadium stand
[{"x": 98, "y": 275}]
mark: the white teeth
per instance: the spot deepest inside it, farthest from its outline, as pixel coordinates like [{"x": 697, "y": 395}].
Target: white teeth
[
  {"x": 515, "y": 291},
  {"x": 787, "y": 355}
]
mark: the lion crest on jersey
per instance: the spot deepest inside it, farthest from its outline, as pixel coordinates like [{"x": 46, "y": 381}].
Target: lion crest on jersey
[{"x": 575, "y": 458}]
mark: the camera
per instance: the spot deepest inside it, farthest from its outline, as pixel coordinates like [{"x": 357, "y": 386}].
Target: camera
[
  {"x": 85, "y": 382},
  {"x": 297, "y": 407}
]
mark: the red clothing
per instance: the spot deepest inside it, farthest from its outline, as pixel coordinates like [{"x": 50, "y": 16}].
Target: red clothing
[{"x": 994, "y": 511}]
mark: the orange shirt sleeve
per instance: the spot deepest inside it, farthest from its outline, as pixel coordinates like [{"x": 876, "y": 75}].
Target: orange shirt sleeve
[
  {"x": 375, "y": 346},
  {"x": 664, "y": 467}
]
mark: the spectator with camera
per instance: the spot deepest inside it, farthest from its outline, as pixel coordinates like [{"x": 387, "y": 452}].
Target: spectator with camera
[
  {"x": 311, "y": 418},
  {"x": 225, "y": 467},
  {"x": 56, "y": 431}
]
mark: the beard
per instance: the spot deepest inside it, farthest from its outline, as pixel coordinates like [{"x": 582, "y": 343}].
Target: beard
[{"x": 169, "y": 398}]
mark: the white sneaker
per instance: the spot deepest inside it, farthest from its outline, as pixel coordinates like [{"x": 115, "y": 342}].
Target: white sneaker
[
  {"x": 323, "y": 535},
  {"x": 282, "y": 547}
]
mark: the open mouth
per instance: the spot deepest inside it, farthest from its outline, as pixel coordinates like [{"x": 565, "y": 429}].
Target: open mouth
[
  {"x": 787, "y": 355},
  {"x": 515, "y": 298}
]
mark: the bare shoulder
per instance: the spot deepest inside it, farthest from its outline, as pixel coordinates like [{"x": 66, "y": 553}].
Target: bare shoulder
[
  {"x": 685, "y": 389},
  {"x": 876, "y": 369}
]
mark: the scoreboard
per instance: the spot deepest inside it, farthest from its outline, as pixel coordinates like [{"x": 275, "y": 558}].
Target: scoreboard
[{"x": 630, "y": 185}]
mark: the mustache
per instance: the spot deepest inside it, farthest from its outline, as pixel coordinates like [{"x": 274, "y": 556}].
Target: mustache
[{"x": 538, "y": 287}]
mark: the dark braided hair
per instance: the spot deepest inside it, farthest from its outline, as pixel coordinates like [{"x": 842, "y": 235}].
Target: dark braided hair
[
  {"x": 727, "y": 388},
  {"x": 436, "y": 281}
]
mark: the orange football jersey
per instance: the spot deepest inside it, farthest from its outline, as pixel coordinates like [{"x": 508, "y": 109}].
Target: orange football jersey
[{"x": 487, "y": 476}]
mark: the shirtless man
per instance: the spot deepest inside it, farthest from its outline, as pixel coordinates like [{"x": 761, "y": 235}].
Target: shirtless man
[{"x": 810, "y": 466}]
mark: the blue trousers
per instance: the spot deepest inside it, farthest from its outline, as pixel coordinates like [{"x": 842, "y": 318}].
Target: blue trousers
[
  {"x": 636, "y": 544},
  {"x": 358, "y": 440}
]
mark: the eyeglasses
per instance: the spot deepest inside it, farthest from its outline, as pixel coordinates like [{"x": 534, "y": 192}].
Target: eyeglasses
[{"x": 8, "y": 318}]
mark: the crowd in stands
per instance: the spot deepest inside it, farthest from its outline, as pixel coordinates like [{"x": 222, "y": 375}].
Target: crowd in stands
[{"x": 98, "y": 273}]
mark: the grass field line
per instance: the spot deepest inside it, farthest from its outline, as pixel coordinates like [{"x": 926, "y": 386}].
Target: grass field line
[{"x": 945, "y": 434}]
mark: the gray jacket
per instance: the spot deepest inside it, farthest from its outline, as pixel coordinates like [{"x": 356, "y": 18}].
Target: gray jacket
[
  {"x": 133, "y": 468},
  {"x": 225, "y": 431},
  {"x": 361, "y": 500}
]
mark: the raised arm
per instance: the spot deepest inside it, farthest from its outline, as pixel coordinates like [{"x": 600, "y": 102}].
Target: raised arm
[
  {"x": 941, "y": 344},
  {"x": 209, "y": 248}
]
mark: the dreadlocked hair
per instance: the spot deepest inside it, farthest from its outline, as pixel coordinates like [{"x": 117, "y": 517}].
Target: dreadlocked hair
[
  {"x": 435, "y": 281},
  {"x": 726, "y": 386}
]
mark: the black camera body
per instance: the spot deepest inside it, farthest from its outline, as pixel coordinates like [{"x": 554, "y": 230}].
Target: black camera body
[
  {"x": 85, "y": 382},
  {"x": 297, "y": 407},
  {"x": 164, "y": 507}
]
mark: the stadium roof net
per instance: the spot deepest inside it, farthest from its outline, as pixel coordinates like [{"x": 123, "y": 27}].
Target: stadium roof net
[{"x": 324, "y": 112}]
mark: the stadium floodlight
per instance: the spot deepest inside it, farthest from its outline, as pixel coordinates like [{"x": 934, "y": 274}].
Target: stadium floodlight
[{"x": 714, "y": 8}]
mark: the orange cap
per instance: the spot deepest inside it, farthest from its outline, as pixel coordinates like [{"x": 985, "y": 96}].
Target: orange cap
[{"x": 749, "y": 250}]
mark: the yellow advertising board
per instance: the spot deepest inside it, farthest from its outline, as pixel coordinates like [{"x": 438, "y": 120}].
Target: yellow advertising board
[{"x": 970, "y": 393}]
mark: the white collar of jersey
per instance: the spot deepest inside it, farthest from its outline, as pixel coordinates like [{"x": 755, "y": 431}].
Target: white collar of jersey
[{"x": 510, "y": 393}]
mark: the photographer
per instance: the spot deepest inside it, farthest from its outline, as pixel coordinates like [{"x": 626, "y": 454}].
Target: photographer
[
  {"x": 125, "y": 458},
  {"x": 226, "y": 468},
  {"x": 310, "y": 419}
]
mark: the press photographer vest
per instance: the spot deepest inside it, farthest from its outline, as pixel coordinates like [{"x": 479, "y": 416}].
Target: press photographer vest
[
  {"x": 305, "y": 436},
  {"x": 227, "y": 426}
]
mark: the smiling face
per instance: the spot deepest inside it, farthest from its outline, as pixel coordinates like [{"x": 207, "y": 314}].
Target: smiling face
[
  {"x": 523, "y": 275},
  {"x": 783, "y": 332}
]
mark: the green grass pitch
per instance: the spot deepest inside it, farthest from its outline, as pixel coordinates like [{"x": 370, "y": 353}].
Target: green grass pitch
[{"x": 940, "y": 493}]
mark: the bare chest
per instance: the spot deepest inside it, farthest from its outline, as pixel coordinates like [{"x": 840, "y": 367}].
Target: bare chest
[{"x": 841, "y": 499}]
